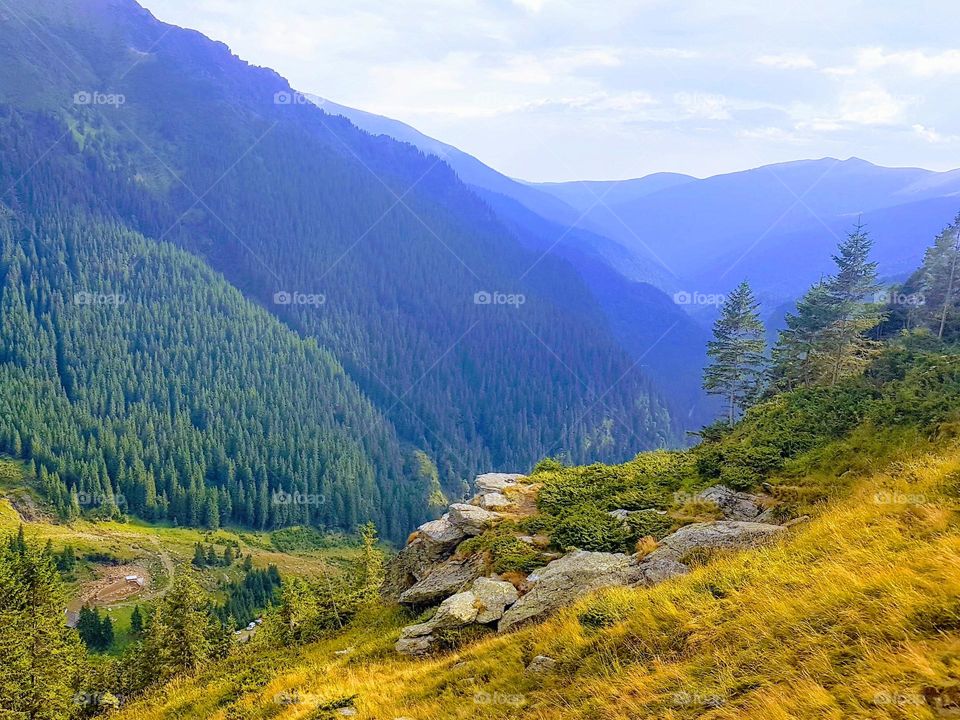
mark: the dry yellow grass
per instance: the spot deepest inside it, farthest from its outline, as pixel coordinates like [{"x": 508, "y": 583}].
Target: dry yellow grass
[{"x": 856, "y": 614}]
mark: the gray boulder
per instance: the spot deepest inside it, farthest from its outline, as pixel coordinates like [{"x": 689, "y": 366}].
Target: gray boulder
[
  {"x": 432, "y": 543},
  {"x": 495, "y": 482},
  {"x": 719, "y": 535},
  {"x": 736, "y": 505},
  {"x": 493, "y": 501},
  {"x": 565, "y": 580},
  {"x": 444, "y": 580},
  {"x": 442, "y": 535},
  {"x": 455, "y": 612},
  {"x": 653, "y": 570},
  {"x": 493, "y": 597},
  {"x": 473, "y": 520}
]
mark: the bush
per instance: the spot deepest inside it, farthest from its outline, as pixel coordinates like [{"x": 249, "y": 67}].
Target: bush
[
  {"x": 593, "y": 529},
  {"x": 506, "y": 553}
]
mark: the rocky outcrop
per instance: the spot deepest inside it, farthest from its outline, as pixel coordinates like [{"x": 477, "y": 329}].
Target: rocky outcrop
[
  {"x": 432, "y": 543},
  {"x": 445, "y": 579},
  {"x": 472, "y": 520},
  {"x": 567, "y": 579},
  {"x": 719, "y": 535},
  {"x": 495, "y": 482},
  {"x": 482, "y": 604},
  {"x": 428, "y": 572},
  {"x": 735, "y": 505}
]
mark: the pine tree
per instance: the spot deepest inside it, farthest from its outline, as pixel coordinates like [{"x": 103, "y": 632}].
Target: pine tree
[
  {"x": 941, "y": 277},
  {"x": 182, "y": 630},
  {"x": 737, "y": 352},
  {"x": 106, "y": 632},
  {"x": 41, "y": 657},
  {"x": 136, "y": 621}
]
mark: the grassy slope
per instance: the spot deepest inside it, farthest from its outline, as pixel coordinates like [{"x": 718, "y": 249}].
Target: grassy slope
[{"x": 854, "y": 615}]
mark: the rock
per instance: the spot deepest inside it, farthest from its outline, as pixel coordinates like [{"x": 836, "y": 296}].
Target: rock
[
  {"x": 653, "y": 570},
  {"x": 456, "y": 611},
  {"x": 495, "y": 482},
  {"x": 444, "y": 580},
  {"x": 567, "y": 579},
  {"x": 348, "y": 711},
  {"x": 345, "y": 651},
  {"x": 493, "y": 501},
  {"x": 624, "y": 515},
  {"x": 471, "y": 519},
  {"x": 541, "y": 664},
  {"x": 441, "y": 534},
  {"x": 493, "y": 597},
  {"x": 432, "y": 543},
  {"x": 722, "y": 534},
  {"x": 735, "y": 505}
]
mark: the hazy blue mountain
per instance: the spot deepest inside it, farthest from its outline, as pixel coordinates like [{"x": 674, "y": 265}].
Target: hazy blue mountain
[
  {"x": 449, "y": 346},
  {"x": 583, "y": 195}
]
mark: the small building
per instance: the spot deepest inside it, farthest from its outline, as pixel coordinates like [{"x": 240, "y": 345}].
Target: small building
[{"x": 135, "y": 579}]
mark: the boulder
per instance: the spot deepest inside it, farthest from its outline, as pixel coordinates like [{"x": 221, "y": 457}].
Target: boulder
[
  {"x": 653, "y": 570},
  {"x": 492, "y": 597},
  {"x": 541, "y": 664},
  {"x": 735, "y": 505},
  {"x": 471, "y": 519},
  {"x": 719, "y": 535},
  {"x": 432, "y": 543},
  {"x": 455, "y": 612},
  {"x": 565, "y": 580},
  {"x": 444, "y": 580},
  {"x": 495, "y": 482},
  {"x": 493, "y": 501},
  {"x": 415, "y": 646}
]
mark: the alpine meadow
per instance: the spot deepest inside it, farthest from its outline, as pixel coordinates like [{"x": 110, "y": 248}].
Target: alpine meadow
[{"x": 307, "y": 414}]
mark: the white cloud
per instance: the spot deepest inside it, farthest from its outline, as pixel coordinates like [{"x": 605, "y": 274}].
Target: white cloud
[
  {"x": 787, "y": 61},
  {"x": 707, "y": 106},
  {"x": 932, "y": 136},
  {"x": 913, "y": 62}
]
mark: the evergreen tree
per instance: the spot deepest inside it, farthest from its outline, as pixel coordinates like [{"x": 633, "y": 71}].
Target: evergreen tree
[
  {"x": 136, "y": 622},
  {"x": 40, "y": 658},
  {"x": 941, "y": 278},
  {"x": 106, "y": 632},
  {"x": 852, "y": 293},
  {"x": 182, "y": 632},
  {"x": 737, "y": 352}
]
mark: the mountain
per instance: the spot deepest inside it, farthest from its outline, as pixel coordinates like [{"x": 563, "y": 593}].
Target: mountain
[
  {"x": 401, "y": 334},
  {"x": 582, "y": 195}
]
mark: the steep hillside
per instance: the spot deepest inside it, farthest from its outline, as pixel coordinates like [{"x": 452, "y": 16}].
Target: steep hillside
[
  {"x": 851, "y": 613},
  {"x": 466, "y": 349}
]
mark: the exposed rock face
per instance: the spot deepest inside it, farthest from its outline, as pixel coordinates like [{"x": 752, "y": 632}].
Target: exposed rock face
[
  {"x": 432, "y": 543},
  {"x": 472, "y": 520},
  {"x": 443, "y": 581},
  {"x": 567, "y": 579},
  {"x": 492, "y": 598},
  {"x": 495, "y": 482},
  {"x": 723, "y": 534},
  {"x": 736, "y": 505}
]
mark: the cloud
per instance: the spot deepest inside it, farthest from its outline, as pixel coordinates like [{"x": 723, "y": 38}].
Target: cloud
[
  {"x": 706, "y": 106},
  {"x": 787, "y": 61},
  {"x": 931, "y": 135},
  {"x": 913, "y": 62}
]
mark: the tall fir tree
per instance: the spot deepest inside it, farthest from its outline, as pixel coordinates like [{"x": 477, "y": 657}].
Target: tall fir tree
[
  {"x": 737, "y": 351},
  {"x": 941, "y": 278}
]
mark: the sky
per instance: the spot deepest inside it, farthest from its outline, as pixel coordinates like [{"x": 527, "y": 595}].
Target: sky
[{"x": 552, "y": 90}]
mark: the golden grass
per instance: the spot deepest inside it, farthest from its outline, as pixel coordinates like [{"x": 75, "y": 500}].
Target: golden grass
[{"x": 855, "y": 614}]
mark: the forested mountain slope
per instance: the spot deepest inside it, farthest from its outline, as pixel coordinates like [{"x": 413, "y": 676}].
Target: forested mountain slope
[{"x": 117, "y": 125}]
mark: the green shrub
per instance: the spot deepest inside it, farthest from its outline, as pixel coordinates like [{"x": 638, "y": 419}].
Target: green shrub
[
  {"x": 590, "y": 528},
  {"x": 506, "y": 553}
]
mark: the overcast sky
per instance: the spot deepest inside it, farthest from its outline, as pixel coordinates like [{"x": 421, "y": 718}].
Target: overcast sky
[{"x": 563, "y": 89}]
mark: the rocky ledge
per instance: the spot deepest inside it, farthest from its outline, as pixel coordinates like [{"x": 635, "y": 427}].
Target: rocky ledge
[{"x": 427, "y": 572}]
